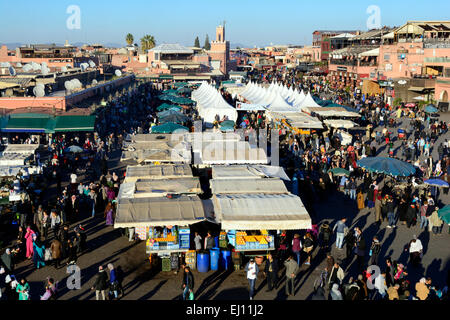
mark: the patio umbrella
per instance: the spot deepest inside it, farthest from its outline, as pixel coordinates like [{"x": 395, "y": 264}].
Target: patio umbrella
[
  {"x": 436, "y": 183},
  {"x": 182, "y": 100},
  {"x": 170, "y": 91},
  {"x": 444, "y": 214},
  {"x": 431, "y": 109},
  {"x": 167, "y": 112},
  {"x": 180, "y": 84},
  {"x": 420, "y": 98},
  {"x": 388, "y": 166},
  {"x": 339, "y": 172},
  {"x": 184, "y": 90},
  {"x": 168, "y": 127},
  {"x": 175, "y": 117},
  {"x": 74, "y": 149},
  {"x": 410, "y": 105},
  {"x": 166, "y": 106},
  {"x": 227, "y": 125}
]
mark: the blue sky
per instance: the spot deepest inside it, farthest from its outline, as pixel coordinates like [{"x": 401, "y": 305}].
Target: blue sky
[{"x": 249, "y": 22}]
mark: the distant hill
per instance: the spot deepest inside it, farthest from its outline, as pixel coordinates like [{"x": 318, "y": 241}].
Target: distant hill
[{"x": 239, "y": 45}]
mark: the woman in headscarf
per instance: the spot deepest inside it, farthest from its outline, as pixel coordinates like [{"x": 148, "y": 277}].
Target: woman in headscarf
[
  {"x": 335, "y": 293},
  {"x": 38, "y": 253},
  {"x": 23, "y": 289},
  {"x": 29, "y": 240},
  {"x": 109, "y": 214}
]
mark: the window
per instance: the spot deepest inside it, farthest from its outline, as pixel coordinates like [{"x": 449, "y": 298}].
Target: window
[
  {"x": 387, "y": 56},
  {"x": 156, "y": 55}
]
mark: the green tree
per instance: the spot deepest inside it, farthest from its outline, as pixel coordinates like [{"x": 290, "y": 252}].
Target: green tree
[
  {"x": 129, "y": 39},
  {"x": 197, "y": 43},
  {"x": 207, "y": 45},
  {"x": 147, "y": 42}
]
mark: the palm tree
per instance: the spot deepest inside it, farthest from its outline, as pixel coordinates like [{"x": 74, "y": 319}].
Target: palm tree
[
  {"x": 129, "y": 39},
  {"x": 147, "y": 42}
]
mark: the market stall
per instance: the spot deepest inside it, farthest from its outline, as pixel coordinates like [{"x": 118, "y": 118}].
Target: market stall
[{"x": 166, "y": 171}]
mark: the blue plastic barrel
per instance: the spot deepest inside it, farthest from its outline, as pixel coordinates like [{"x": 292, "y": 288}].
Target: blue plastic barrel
[
  {"x": 202, "y": 262},
  {"x": 225, "y": 259},
  {"x": 215, "y": 253}
]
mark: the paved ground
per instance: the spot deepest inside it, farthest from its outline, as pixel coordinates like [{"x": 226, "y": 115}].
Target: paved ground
[{"x": 140, "y": 283}]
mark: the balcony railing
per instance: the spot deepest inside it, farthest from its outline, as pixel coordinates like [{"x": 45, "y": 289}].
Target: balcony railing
[
  {"x": 352, "y": 63},
  {"x": 367, "y": 64},
  {"x": 436, "y": 60},
  {"x": 436, "y": 43}
]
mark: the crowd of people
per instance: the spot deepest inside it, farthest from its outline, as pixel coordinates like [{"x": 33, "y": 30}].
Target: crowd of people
[{"x": 50, "y": 232}]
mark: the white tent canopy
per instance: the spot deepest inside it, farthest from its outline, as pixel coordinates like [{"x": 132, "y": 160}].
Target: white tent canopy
[
  {"x": 339, "y": 123},
  {"x": 211, "y": 103},
  {"x": 261, "y": 212}
]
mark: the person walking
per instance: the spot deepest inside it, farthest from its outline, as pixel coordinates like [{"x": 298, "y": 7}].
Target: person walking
[
  {"x": 390, "y": 208},
  {"x": 251, "y": 270},
  {"x": 308, "y": 246},
  {"x": 375, "y": 249},
  {"x": 335, "y": 275},
  {"x": 341, "y": 229},
  {"x": 297, "y": 247},
  {"x": 56, "y": 249},
  {"x": 292, "y": 270},
  {"x": 325, "y": 236},
  {"x": 197, "y": 241},
  {"x": 415, "y": 251},
  {"x": 23, "y": 289},
  {"x": 378, "y": 209},
  {"x": 271, "y": 272},
  {"x": 360, "y": 246},
  {"x": 101, "y": 284},
  {"x": 188, "y": 283},
  {"x": 7, "y": 261},
  {"x": 29, "y": 242}
]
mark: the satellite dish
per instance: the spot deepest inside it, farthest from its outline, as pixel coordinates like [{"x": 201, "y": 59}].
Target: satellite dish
[
  {"x": 68, "y": 85},
  {"x": 92, "y": 64},
  {"x": 44, "y": 64},
  {"x": 12, "y": 71},
  {"x": 18, "y": 65},
  {"x": 118, "y": 73},
  {"x": 64, "y": 69},
  {"x": 38, "y": 91},
  {"x": 402, "y": 82},
  {"x": 147, "y": 69},
  {"x": 27, "y": 67},
  {"x": 94, "y": 82},
  {"x": 40, "y": 85},
  {"x": 45, "y": 70},
  {"x": 68, "y": 66},
  {"x": 83, "y": 67}
]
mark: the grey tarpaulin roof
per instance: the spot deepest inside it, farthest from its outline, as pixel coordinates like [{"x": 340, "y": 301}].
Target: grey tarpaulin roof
[
  {"x": 21, "y": 148},
  {"x": 161, "y": 211},
  {"x": 248, "y": 172},
  {"x": 14, "y": 159},
  {"x": 162, "y": 155},
  {"x": 159, "y": 187},
  {"x": 232, "y": 152},
  {"x": 246, "y": 186},
  {"x": 157, "y": 172},
  {"x": 261, "y": 212}
]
